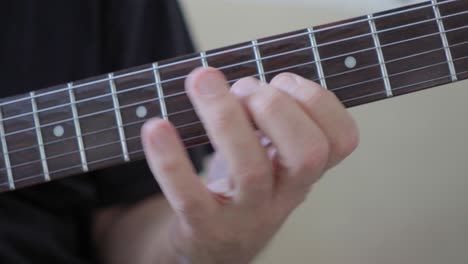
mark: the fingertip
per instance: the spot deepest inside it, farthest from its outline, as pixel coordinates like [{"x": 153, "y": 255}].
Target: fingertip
[
  {"x": 205, "y": 80},
  {"x": 289, "y": 82},
  {"x": 155, "y": 131},
  {"x": 246, "y": 86}
]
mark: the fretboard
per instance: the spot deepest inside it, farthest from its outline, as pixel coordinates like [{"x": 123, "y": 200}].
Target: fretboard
[{"x": 95, "y": 123}]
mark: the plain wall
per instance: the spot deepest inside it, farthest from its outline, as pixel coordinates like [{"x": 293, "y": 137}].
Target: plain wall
[{"x": 402, "y": 197}]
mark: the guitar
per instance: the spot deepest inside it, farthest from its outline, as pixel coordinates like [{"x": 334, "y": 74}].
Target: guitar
[{"x": 95, "y": 123}]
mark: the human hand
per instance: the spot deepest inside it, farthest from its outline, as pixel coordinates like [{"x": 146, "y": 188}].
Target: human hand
[{"x": 304, "y": 130}]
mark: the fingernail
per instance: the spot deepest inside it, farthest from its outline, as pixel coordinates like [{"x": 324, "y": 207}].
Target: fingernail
[
  {"x": 246, "y": 88},
  {"x": 286, "y": 82},
  {"x": 156, "y": 131}
]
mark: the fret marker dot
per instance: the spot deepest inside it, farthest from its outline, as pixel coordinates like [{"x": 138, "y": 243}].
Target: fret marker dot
[
  {"x": 141, "y": 112},
  {"x": 59, "y": 131},
  {"x": 350, "y": 62}
]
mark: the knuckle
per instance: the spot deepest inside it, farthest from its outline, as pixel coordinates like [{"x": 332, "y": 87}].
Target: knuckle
[
  {"x": 316, "y": 158},
  {"x": 348, "y": 143}
]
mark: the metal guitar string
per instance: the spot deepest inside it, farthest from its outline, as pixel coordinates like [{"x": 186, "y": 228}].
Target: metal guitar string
[
  {"x": 228, "y": 66},
  {"x": 249, "y": 46},
  {"x": 140, "y": 152},
  {"x": 182, "y": 93},
  {"x": 233, "y": 65},
  {"x": 337, "y": 88},
  {"x": 199, "y": 122},
  {"x": 231, "y": 81}
]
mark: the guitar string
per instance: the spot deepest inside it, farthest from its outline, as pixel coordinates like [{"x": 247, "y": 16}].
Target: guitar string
[
  {"x": 141, "y": 151},
  {"x": 136, "y": 152},
  {"x": 394, "y": 89},
  {"x": 115, "y": 77},
  {"x": 273, "y": 71},
  {"x": 191, "y": 109},
  {"x": 188, "y": 110},
  {"x": 263, "y": 59},
  {"x": 204, "y": 135},
  {"x": 243, "y": 63}
]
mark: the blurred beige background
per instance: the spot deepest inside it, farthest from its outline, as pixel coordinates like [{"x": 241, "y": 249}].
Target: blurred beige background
[{"x": 403, "y": 196}]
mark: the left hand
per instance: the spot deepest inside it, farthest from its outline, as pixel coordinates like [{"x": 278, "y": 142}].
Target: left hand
[{"x": 254, "y": 186}]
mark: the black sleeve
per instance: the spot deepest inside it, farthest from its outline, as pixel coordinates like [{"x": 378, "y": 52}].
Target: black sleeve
[{"x": 139, "y": 32}]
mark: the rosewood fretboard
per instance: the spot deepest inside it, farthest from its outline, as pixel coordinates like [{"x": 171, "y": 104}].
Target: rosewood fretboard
[{"x": 95, "y": 123}]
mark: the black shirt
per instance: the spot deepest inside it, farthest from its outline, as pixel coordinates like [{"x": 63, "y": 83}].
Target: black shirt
[{"x": 43, "y": 43}]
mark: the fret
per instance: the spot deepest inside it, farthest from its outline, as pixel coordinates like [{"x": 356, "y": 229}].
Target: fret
[
  {"x": 40, "y": 141},
  {"x": 258, "y": 59},
  {"x": 383, "y": 67},
  {"x": 118, "y": 117},
  {"x": 57, "y": 127},
  {"x": 95, "y": 123},
  {"x": 318, "y": 61},
  {"x": 76, "y": 121},
  {"x": 160, "y": 92},
  {"x": 6, "y": 157},
  {"x": 445, "y": 43},
  {"x": 203, "y": 59},
  {"x": 454, "y": 19},
  {"x": 236, "y": 62},
  {"x": 99, "y": 126},
  {"x": 22, "y": 141},
  {"x": 138, "y": 97},
  {"x": 413, "y": 49},
  {"x": 351, "y": 64},
  {"x": 180, "y": 110},
  {"x": 291, "y": 53}
]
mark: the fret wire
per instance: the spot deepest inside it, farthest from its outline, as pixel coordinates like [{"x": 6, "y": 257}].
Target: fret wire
[
  {"x": 408, "y": 85},
  {"x": 79, "y": 137},
  {"x": 204, "y": 60},
  {"x": 98, "y": 146},
  {"x": 98, "y": 161},
  {"x": 249, "y": 61},
  {"x": 258, "y": 58},
  {"x": 380, "y": 56},
  {"x": 160, "y": 92},
  {"x": 245, "y": 47},
  {"x": 318, "y": 62},
  {"x": 339, "y": 88},
  {"x": 118, "y": 117},
  {"x": 6, "y": 155},
  {"x": 98, "y": 131},
  {"x": 445, "y": 42},
  {"x": 205, "y": 135},
  {"x": 255, "y": 75},
  {"x": 40, "y": 142},
  {"x": 241, "y": 63},
  {"x": 401, "y": 87},
  {"x": 365, "y": 67}
]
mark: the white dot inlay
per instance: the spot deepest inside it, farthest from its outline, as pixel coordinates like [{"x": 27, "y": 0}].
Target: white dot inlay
[
  {"x": 350, "y": 62},
  {"x": 59, "y": 131},
  {"x": 141, "y": 111}
]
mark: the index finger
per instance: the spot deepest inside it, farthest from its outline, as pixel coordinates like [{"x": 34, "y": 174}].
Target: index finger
[{"x": 231, "y": 133}]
